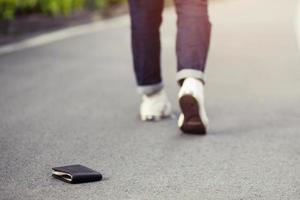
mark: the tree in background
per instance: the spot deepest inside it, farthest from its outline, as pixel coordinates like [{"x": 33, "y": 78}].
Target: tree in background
[{"x": 10, "y": 8}]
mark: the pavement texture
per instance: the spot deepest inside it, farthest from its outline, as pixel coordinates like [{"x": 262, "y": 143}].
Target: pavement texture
[{"x": 75, "y": 101}]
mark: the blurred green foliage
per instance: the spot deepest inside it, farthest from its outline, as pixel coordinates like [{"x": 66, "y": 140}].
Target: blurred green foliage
[{"x": 9, "y": 8}]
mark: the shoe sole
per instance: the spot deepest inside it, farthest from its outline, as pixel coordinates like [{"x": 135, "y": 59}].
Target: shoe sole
[
  {"x": 192, "y": 122},
  {"x": 166, "y": 113}
]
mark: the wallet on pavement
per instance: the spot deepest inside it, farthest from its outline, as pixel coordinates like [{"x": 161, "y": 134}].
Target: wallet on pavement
[{"x": 76, "y": 174}]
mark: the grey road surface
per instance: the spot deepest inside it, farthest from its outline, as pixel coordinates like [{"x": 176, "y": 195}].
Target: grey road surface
[{"x": 75, "y": 101}]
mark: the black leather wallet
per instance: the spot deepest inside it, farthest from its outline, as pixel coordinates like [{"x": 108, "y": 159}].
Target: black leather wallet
[{"x": 76, "y": 174}]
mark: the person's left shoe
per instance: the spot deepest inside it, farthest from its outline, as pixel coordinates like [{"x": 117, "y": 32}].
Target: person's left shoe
[{"x": 155, "y": 107}]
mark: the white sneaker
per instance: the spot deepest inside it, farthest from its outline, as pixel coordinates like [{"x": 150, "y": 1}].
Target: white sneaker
[
  {"x": 193, "y": 118},
  {"x": 155, "y": 107}
]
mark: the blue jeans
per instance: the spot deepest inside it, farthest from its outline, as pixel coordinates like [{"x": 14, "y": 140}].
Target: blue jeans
[{"x": 192, "y": 43}]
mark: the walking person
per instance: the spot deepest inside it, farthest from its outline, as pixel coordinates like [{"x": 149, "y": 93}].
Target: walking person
[{"x": 192, "y": 44}]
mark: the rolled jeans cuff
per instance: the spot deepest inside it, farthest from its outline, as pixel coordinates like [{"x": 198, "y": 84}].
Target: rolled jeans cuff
[
  {"x": 150, "y": 89},
  {"x": 189, "y": 73}
]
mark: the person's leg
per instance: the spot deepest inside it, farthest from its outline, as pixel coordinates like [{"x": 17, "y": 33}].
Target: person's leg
[
  {"x": 193, "y": 37},
  {"x": 146, "y": 18}
]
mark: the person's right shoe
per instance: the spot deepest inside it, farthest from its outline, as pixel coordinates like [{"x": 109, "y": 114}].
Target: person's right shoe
[{"x": 193, "y": 118}]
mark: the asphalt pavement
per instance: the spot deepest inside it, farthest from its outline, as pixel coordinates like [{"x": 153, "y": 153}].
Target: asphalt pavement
[{"x": 75, "y": 101}]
